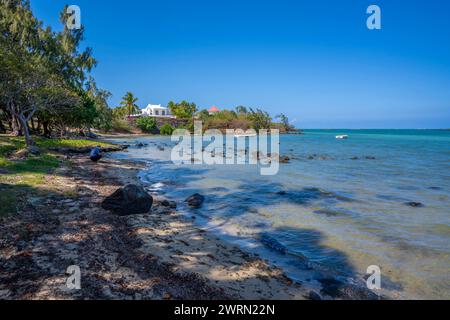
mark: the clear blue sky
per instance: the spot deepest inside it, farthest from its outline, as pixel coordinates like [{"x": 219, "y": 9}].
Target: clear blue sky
[{"x": 316, "y": 61}]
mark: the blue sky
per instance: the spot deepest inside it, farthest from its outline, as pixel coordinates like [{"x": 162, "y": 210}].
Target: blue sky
[{"x": 315, "y": 61}]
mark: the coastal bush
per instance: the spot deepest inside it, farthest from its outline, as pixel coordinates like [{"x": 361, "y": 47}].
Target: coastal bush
[
  {"x": 147, "y": 124},
  {"x": 166, "y": 129},
  {"x": 121, "y": 126},
  {"x": 182, "y": 110}
]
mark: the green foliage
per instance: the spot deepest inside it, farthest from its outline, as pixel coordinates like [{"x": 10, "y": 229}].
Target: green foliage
[
  {"x": 121, "y": 125},
  {"x": 242, "y": 118},
  {"x": 260, "y": 119},
  {"x": 45, "y": 77},
  {"x": 182, "y": 110},
  {"x": 241, "y": 110},
  {"x": 286, "y": 126},
  {"x": 166, "y": 129},
  {"x": 147, "y": 124}
]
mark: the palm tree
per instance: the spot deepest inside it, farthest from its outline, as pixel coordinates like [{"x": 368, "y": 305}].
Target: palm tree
[{"x": 129, "y": 103}]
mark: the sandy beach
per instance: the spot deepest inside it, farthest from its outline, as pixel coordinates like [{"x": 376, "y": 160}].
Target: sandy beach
[{"x": 158, "y": 255}]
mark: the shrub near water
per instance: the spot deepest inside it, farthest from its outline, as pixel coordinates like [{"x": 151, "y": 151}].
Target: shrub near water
[
  {"x": 147, "y": 124},
  {"x": 166, "y": 129}
]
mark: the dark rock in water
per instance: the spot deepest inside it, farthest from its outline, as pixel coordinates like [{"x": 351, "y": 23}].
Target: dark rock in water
[
  {"x": 282, "y": 193},
  {"x": 141, "y": 144},
  {"x": 370, "y": 158},
  {"x": 341, "y": 290},
  {"x": 328, "y": 212},
  {"x": 131, "y": 199},
  {"x": 273, "y": 243},
  {"x": 435, "y": 188},
  {"x": 414, "y": 204},
  {"x": 195, "y": 201},
  {"x": 170, "y": 204},
  {"x": 284, "y": 159},
  {"x": 314, "y": 296},
  {"x": 354, "y": 158}
]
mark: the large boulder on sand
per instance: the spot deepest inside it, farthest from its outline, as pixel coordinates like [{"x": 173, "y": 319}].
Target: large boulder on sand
[{"x": 131, "y": 199}]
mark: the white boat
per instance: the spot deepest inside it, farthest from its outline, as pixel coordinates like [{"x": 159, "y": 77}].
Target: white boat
[
  {"x": 343, "y": 136},
  {"x": 245, "y": 135}
]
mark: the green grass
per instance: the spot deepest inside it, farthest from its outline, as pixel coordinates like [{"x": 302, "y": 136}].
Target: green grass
[
  {"x": 68, "y": 143},
  {"x": 22, "y": 178}
]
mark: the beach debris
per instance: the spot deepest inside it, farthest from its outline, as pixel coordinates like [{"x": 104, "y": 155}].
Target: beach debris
[
  {"x": 195, "y": 201},
  {"x": 414, "y": 204},
  {"x": 131, "y": 199},
  {"x": 167, "y": 296},
  {"x": 273, "y": 243}
]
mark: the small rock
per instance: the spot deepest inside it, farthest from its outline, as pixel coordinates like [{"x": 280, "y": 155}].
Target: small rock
[
  {"x": 284, "y": 159},
  {"x": 414, "y": 204},
  {"x": 195, "y": 201},
  {"x": 141, "y": 144},
  {"x": 170, "y": 204}
]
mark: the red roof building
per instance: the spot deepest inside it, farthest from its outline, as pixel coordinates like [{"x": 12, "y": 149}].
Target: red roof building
[{"x": 213, "y": 109}]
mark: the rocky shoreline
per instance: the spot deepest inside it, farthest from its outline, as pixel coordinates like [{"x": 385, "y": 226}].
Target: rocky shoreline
[
  {"x": 157, "y": 255},
  {"x": 160, "y": 254}
]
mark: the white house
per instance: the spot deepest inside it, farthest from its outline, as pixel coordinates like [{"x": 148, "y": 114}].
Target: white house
[{"x": 156, "y": 110}]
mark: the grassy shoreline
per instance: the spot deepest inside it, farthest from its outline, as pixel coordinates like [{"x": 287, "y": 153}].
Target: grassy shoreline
[{"x": 22, "y": 172}]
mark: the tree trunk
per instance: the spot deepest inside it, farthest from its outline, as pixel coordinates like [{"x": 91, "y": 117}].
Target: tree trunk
[
  {"x": 47, "y": 131},
  {"x": 23, "y": 121},
  {"x": 16, "y": 128},
  {"x": 2, "y": 127}
]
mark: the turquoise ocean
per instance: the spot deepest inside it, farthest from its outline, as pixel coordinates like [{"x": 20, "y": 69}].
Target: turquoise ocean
[{"x": 380, "y": 197}]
